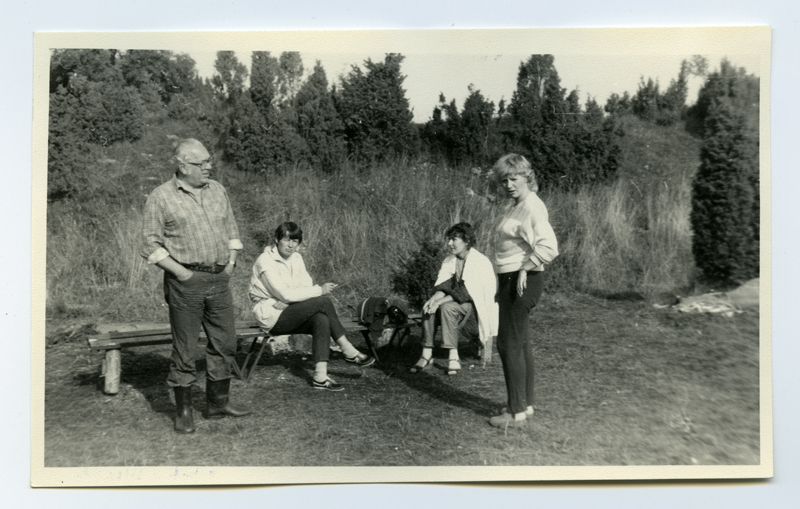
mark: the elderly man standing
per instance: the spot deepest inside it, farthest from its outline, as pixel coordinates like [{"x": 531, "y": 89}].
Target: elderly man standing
[{"x": 191, "y": 234}]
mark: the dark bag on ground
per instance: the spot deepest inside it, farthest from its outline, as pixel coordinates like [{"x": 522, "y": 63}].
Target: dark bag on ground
[{"x": 376, "y": 313}]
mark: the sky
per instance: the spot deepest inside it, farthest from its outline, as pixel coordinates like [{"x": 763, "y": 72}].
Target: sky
[{"x": 429, "y": 74}]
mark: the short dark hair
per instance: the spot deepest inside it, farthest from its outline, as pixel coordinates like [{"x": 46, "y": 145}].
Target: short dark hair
[
  {"x": 289, "y": 229},
  {"x": 462, "y": 231}
]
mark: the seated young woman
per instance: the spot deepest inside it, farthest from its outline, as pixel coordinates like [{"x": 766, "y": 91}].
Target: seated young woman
[
  {"x": 463, "y": 299},
  {"x": 286, "y": 301}
]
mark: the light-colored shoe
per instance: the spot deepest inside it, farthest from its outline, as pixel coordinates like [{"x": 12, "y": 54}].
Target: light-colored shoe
[
  {"x": 453, "y": 367},
  {"x": 361, "y": 359},
  {"x": 328, "y": 385},
  {"x": 504, "y": 410},
  {"x": 507, "y": 421}
]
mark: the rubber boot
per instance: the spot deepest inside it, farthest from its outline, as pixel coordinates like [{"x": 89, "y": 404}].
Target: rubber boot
[
  {"x": 184, "y": 421},
  {"x": 218, "y": 404}
]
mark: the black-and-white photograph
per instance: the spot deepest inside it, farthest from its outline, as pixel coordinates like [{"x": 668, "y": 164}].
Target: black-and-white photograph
[{"x": 536, "y": 255}]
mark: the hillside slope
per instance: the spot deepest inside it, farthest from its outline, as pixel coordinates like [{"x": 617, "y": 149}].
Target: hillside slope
[{"x": 630, "y": 236}]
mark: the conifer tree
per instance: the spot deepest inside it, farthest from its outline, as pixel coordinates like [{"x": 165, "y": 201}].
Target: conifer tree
[
  {"x": 478, "y": 129},
  {"x": 566, "y": 148},
  {"x": 645, "y": 103},
  {"x": 291, "y": 66},
  {"x": 725, "y": 195},
  {"x": 168, "y": 73},
  {"x": 617, "y": 105},
  {"x": 254, "y": 144},
  {"x": 375, "y": 112},
  {"x": 90, "y": 107},
  {"x": 673, "y": 103},
  {"x": 468, "y": 137},
  {"x": 264, "y": 82},
  {"x": 229, "y": 75},
  {"x": 259, "y": 136},
  {"x": 318, "y": 123}
]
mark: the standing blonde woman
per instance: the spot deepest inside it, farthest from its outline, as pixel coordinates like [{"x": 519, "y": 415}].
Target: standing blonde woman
[{"x": 525, "y": 243}]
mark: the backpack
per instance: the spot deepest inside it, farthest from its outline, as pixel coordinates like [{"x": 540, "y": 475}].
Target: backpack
[
  {"x": 377, "y": 312},
  {"x": 371, "y": 313}
]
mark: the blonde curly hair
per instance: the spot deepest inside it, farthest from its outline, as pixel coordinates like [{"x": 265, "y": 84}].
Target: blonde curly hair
[{"x": 514, "y": 164}]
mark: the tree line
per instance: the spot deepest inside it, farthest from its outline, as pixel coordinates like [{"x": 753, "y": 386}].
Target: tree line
[{"x": 284, "y": 116}]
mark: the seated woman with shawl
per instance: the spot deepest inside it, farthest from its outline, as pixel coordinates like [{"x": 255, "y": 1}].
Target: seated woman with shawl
[{"x": 463, "y": 299}]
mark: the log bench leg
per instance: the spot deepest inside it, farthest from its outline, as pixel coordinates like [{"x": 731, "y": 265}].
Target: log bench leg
[{"x": 112, "y": 368}]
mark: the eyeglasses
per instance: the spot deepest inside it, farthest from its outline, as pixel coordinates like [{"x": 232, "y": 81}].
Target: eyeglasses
[{"x": 201, "y": 164}]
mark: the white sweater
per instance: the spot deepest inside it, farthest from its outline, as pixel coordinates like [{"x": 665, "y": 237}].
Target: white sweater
[
  {"x": 525, "y": 238},
  {"x": 275, "y": 279}
]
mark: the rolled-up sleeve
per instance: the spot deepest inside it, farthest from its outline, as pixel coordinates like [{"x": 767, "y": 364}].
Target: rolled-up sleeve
[
  {"x": 232, "y": 228},
  {"x": 153, "y": 249}
]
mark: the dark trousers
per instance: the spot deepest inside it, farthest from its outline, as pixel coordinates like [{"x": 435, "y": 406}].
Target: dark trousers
[
  {"x": 313, "y": 316},
  {"x": 204, "y": 300},
  {"x": 514, "y": 343}
]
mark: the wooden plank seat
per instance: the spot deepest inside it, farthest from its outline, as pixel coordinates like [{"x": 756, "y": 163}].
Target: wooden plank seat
[{"x": 113, "y": 343}]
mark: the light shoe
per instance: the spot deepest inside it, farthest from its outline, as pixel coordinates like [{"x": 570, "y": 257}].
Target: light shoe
[
  {"x": 504, "y": 410},
  {"x": 363, "y": 360},
  {"x": 328, "y": 385},
  {"x": 453, "y": 366},
  {"x": 507, "y": 421}
]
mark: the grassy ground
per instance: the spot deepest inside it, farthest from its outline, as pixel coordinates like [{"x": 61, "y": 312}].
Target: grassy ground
[{"x": 618, "y": 383}]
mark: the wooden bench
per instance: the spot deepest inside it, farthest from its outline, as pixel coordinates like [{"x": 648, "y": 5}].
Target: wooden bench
[{"x": 113, "y": 343}]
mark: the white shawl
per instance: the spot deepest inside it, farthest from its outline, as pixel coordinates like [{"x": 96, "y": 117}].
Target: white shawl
[{"x": 481, "y": 283}]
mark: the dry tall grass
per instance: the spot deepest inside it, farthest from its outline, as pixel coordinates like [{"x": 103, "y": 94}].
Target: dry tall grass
[
  {"x": 630, "y": 236},
  {"x": 618, "y": 239}
]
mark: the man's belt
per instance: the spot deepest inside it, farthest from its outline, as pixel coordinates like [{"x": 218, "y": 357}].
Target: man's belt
[{"x": 213, "y": 269}]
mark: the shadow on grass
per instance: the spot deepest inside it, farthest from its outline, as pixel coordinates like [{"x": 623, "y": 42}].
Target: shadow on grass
[
  {"x": 299, "y": 365},
  {"x": 146, "y": 374},
  {"x": 625, "y": 296},
  {"x": 395, "y": 363}
]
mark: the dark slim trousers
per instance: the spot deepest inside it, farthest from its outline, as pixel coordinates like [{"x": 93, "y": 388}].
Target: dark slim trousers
[
  {"x": 204, "y": 300},
  {"x": 315, "y": 316},
  {"x": 514, "y": 343}
]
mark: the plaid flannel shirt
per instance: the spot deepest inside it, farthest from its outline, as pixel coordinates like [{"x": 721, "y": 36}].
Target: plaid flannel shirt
[{"x": 192, "y": 228}]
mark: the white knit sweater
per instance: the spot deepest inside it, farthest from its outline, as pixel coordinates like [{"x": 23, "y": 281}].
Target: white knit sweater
[{"x": 525, "y": 238}]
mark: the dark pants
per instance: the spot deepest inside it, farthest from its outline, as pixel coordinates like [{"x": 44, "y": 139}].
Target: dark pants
[
  {"x": 202, "y": 300},
  {"x": 514, "y": 343},
  {"x": 313, "y": 316}
]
